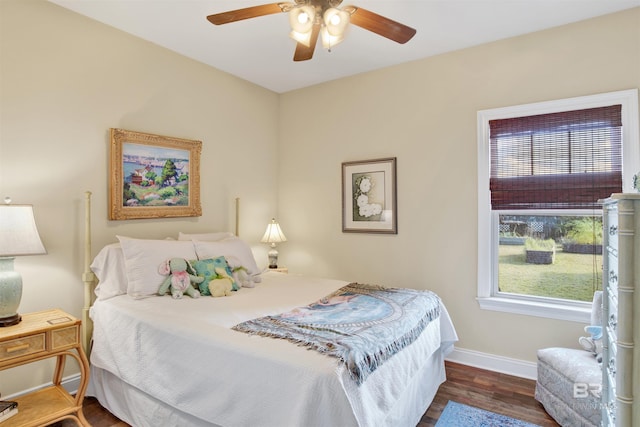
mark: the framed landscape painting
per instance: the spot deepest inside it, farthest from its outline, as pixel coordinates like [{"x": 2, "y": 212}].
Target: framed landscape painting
[
  {"x": 369, "y": 196},
  {"x": 153, "y": 176}
]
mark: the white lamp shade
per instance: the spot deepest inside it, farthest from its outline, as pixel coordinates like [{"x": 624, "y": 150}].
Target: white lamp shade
[
  {"x": 18, "y": 232},
  {"x": 273, "y": 234}
]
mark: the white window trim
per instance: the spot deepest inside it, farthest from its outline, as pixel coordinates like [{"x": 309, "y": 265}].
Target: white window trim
[{"x": 487, "y": 227}]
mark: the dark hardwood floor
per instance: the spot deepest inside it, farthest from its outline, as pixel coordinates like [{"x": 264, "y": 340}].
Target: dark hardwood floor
[{"x": 493, "y": 391}]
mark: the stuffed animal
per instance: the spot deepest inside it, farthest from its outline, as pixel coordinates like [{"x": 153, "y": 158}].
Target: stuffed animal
[
  {"x": 180, "y": 280},
  {"x": 593, "y": 343},
  {"x": 241, "y": 274},
  {"x": 242, "y": 278},
  {"x": 222, "y": 285}
]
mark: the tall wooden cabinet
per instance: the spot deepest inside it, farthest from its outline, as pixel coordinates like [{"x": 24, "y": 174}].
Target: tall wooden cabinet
[{"x": 621, "y": 305}]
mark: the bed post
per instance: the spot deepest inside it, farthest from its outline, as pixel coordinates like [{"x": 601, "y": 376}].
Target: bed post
[
  {"x": 238, "y": 216},
  {"x": 87, "y": 277}
]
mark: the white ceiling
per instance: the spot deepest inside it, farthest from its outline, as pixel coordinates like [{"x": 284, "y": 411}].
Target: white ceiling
[{"x": 259, "y": 50}]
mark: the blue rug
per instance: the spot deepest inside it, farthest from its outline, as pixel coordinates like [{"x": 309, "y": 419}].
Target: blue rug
[{"x": 459, "y": 415}]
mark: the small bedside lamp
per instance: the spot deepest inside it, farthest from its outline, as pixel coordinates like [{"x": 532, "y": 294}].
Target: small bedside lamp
[
  {"x": 273, "y": 235},
  {"x": 18, "y": 236}
]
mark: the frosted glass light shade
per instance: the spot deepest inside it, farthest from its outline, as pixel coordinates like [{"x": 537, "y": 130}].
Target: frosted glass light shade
[
  {"x": 336, "y": 21},
  {"x": 329, "y": 41},
  {"x": 301, "y": 19},
  {"x": 304, "y": 38},
  {"x": 335, "y": 25}
]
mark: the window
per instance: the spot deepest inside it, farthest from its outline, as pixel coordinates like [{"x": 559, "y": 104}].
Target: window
[{"x": 542, "y": 168}]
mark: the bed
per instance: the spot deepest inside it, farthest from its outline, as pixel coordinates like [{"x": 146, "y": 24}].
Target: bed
[{"x": 156, "y": 360}]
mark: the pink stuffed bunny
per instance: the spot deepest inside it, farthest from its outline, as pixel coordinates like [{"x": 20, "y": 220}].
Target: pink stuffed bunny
[{"x": 180, "y": 278}]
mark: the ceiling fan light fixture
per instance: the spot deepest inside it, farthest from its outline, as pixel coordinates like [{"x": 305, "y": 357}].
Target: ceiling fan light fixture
[
  {"x": 301, "y": 18},
  {"x": 336, "y": 21},
  {"x": 328, "y": 40},
  {"x": 304, "y": 38},
  {"x": 311, "y": 18}
]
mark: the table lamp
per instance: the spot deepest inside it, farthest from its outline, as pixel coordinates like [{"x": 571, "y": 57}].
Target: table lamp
[
  {"x": 272, "y": 236},
  {"x": 18, "y": 236}
]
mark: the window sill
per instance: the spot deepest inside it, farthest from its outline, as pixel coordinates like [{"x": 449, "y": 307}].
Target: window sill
[{"x": 581, "y": 314}]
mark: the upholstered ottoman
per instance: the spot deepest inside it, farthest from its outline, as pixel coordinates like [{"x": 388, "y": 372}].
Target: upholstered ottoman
[{"x": 569, "y": 385}]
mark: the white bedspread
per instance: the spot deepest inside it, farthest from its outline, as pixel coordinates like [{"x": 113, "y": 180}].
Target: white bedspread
[{"x": 184, "y": 353}]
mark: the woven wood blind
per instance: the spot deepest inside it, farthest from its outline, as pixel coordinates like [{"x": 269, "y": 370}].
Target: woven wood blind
[{"x": 565, "y": 160}]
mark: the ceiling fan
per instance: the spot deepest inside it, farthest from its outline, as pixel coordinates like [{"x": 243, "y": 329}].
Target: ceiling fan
[{"x": 311, "y": 18}]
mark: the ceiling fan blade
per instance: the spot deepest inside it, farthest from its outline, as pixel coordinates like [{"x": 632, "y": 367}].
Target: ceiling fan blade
[
  {"x": 380, "y": 25},
  {"x": 248, "y": 12},
  {"x": 304, "y": 53}
]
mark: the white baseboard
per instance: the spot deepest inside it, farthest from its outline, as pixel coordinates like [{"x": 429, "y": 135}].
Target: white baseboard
[
  {"x": 70, "y": 383},
  {"x": 492, "y": 362}
]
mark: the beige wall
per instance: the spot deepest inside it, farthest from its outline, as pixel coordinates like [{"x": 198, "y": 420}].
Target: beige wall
[
  {"x": 424, "y": 113},
  {"x": 65, "y": 80}
]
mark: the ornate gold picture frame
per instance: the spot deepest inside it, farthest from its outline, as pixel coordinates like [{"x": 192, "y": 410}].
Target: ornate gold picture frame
[{"x": 153, "y": 176}]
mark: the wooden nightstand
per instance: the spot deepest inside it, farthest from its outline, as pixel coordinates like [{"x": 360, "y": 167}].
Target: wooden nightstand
[
  {"x": 41, "y": 335},
  {"x": 280, "y": 269}
]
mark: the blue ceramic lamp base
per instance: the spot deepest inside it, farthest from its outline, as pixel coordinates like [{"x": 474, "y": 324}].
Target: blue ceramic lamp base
[{"x": 10, "y": 293}]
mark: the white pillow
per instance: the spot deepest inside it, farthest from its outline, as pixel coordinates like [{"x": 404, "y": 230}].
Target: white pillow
[
  {"x": 205, "y": 237},
  {"x": 228, "y": 248},
  {"x": 142, "y": 259},
  {"x": 109, "y": 268}
]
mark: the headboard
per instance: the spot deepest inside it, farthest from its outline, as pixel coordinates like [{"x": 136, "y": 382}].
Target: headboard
[{"x": 89, "y": 279}]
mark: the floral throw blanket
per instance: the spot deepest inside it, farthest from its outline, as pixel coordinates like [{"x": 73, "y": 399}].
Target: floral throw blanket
[{"x": 362, "y": 325}]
